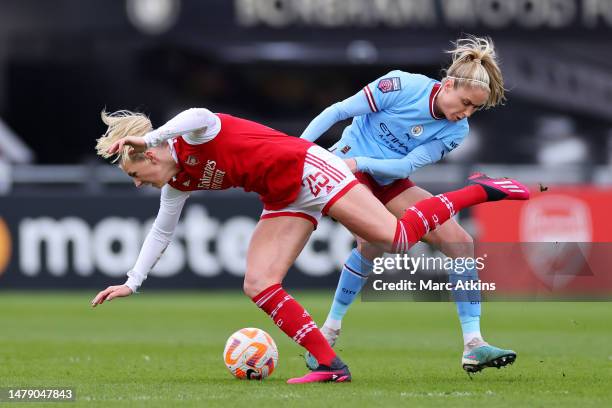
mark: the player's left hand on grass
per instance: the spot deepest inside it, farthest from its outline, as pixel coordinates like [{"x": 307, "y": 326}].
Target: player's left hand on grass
[
  {"x": 352, "y": 165},
  {"x": 110, "y": 293}
]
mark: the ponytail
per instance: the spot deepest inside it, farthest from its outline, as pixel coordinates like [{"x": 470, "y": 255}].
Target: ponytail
[
  {"x": 475, "y": 65},
  {"x": 121, "y": 124}
]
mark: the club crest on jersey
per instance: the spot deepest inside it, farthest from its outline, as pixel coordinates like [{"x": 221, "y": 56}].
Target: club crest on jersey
[
  {"x": 389, "y": 84},
  {"x": 192, "y": 161},
  {"x": 416, "y": 130},
  {"x": 345, "y": 149}
]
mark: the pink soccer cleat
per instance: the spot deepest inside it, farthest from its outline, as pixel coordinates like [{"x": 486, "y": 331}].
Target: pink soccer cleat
[
  {"x": 338, "y": 372},
  {"x": 500, "y": 189}
]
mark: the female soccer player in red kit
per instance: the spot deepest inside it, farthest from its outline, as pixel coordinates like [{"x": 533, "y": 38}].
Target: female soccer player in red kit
[{"x": 297, "y": 181}]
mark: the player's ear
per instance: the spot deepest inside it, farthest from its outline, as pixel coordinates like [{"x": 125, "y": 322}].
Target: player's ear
[
  {"x": 150, "y": 155},
  {"x": 449, "y": 83}
]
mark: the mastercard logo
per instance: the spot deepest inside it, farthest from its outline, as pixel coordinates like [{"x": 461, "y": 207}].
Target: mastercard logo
[{"x": 5, "y": 246}]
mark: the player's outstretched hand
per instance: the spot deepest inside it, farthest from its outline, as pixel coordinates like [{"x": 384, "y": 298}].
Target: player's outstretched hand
[
  {"x": 137, "y": 145},
  {"x": 110, "y": 293}
]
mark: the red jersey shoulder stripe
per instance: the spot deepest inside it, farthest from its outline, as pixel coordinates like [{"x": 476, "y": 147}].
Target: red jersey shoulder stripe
[
  {"x": 370, "y": 98},
  {"x": 432, "y": 98}
]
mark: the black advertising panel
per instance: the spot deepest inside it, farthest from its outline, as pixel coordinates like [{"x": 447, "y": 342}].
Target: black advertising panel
[{"x": 91, "y": 242}]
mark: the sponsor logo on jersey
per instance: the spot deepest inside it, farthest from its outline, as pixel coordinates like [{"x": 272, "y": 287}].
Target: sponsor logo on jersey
[
  {"x": 345, "y": 149},
  {"x": 416, "y": 130},
  {"x": 217, "y": 179},
  {"x": 212, "y": 178},
  {"x": 389, "y": 84},
  {"x": 192, "y": 161},
  {"x": 393, "y": 142}
]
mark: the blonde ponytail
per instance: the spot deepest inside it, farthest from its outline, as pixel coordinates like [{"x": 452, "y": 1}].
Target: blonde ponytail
[
  {"x": 121, "y": 124},
  {"x": 475, "y": 65}
]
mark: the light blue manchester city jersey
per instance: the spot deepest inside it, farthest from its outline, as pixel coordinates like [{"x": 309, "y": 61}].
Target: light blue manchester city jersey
[{"x": 394, "y": 130}]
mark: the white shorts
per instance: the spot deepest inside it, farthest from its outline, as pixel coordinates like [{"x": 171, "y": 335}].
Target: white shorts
[{"x": 325, "y": 180}]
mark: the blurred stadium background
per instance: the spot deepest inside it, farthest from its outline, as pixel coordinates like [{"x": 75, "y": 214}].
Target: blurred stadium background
[{"x": 67, "y": 219}]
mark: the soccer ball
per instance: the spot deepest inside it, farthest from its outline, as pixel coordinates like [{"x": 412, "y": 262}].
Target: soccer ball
[{"x": 250, "y": 354}]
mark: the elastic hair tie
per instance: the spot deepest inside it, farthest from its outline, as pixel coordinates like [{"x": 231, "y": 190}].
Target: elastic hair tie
[{"x": 470, "y": 79}]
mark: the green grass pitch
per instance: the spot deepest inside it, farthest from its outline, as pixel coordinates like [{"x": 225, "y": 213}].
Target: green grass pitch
[{"x": 164, "y": 349}]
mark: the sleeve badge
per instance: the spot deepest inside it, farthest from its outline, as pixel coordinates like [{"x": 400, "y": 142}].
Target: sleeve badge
[{"x": 389, "y": 85}]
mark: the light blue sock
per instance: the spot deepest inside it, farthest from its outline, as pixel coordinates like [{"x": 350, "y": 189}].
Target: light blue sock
[
  {"x": 354, "y": 275},
  {"x": 468, "y": 303}
]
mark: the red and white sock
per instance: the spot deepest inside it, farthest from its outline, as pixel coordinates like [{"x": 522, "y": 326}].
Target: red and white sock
[
  {"x": 295, "y": 321},
  {"x": 429, "y": 214}
]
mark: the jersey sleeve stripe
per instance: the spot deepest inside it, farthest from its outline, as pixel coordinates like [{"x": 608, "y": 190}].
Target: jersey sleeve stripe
[{"x": 370, "y": 97}]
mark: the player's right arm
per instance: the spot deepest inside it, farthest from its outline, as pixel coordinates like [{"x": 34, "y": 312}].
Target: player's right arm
[
  {"x": 372, "y": 98},
  {"x": 356, "y": 105},
  {"x": 156, "y": 242},
  {"x": 195, "y": 125},
  {"x": 423, "y": 155}
]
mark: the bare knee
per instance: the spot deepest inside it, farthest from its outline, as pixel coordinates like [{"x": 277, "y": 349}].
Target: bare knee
[
  {"x": 461, "y": 236},
  {"x": 253, "y": 284},
  {"x": 252, "y": 287},
  {"x": 368, "y": 250},
  {"x": 453, "y": 242}
]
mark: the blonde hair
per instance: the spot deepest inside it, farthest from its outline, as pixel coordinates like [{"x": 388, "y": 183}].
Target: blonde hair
[
  {"x": 121, "y": 124},
  {"x": 475, "y": 65}
]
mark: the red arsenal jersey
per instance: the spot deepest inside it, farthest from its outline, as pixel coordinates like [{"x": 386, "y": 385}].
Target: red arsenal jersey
[{"x": 244, "y": 154}]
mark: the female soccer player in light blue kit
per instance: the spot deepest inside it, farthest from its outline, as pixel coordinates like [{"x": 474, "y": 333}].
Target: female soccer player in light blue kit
[{"x": 402, "y": 122}]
